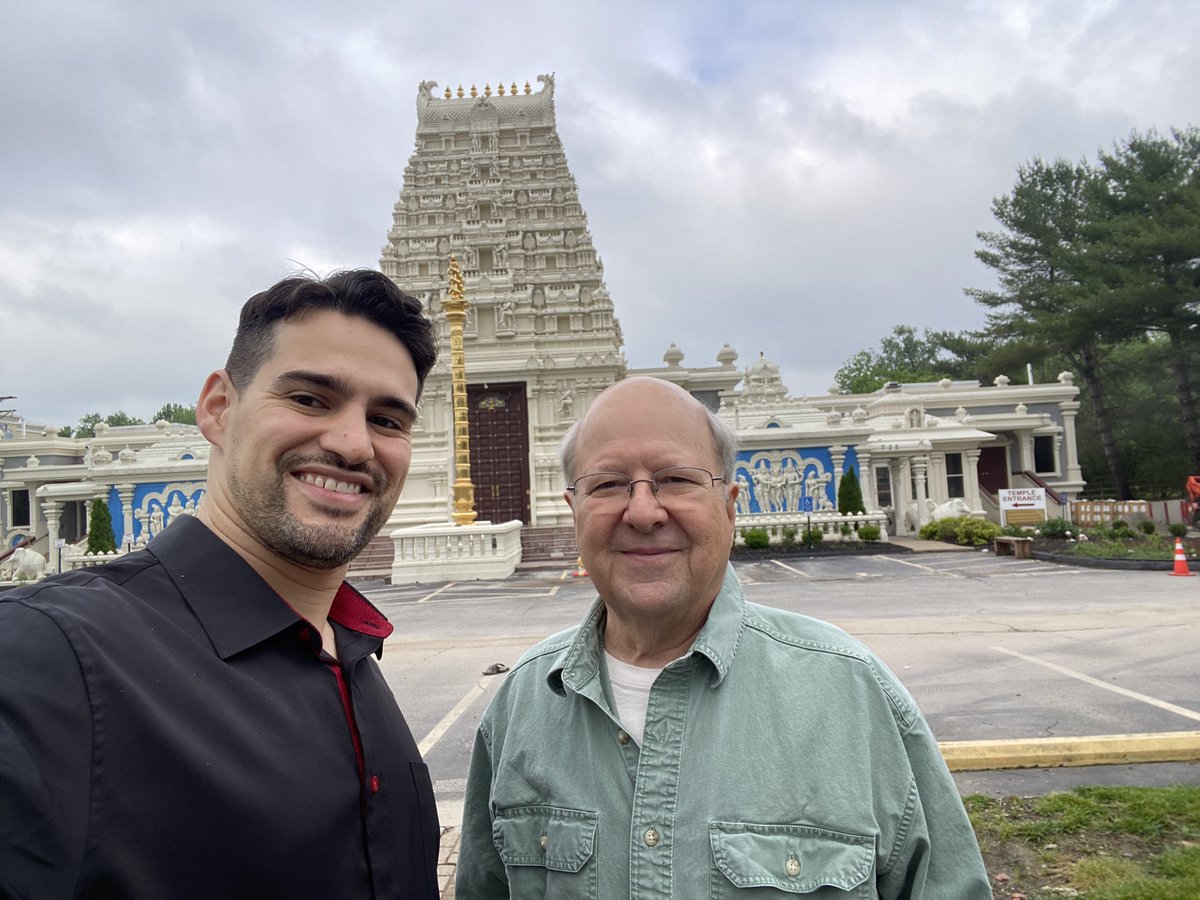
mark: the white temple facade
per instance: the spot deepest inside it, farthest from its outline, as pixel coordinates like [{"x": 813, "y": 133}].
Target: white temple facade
[{"x": 488, "y": 183}]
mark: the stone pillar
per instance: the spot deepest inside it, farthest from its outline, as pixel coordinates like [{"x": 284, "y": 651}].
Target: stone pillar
[
  {"x": 1073, "y": 472},
  {"x": 53, "y": 512},
  {"x": 971, "y": 477},
  {"x": 920, "y": 469},
  {"x": 1025, "y": 450},
  {"x": 866, "y": 480},
  {"x": 838, "y": 453},
  {"x": 125, "y": 493}
]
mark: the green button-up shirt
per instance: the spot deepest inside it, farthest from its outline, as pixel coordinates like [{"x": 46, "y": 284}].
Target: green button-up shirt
[{"x": 780, "y": 759}]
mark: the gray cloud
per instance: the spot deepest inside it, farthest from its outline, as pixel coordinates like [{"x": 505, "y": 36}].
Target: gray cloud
[{"x": 788, "y": 178}]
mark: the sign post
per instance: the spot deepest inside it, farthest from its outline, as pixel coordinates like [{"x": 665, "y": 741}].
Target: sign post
[{"x": 1023, "y": 506}]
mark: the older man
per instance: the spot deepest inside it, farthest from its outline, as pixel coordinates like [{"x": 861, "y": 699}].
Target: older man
[
  {"x": 204, "y": 718},
  {"x": 682, "y": 742}
]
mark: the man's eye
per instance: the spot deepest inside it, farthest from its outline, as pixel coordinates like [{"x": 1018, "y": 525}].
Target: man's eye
[
  {"x": 389, "y": 423},
  {"x": 305, "y": 400}
]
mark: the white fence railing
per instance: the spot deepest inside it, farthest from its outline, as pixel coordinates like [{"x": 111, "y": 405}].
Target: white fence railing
[
  {"x": 447, "y": 552},
  {"x": 829, "y": 524}
]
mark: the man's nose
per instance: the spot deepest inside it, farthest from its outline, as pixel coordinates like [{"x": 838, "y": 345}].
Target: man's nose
[
  {"x": 349, "y": 436},
  {"x": 644, "y": 510}
]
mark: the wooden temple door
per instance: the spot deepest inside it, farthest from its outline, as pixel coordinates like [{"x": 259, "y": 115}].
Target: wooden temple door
[
  {"x": 499, "y": 432},
  {"x": 993, "y": 469}
]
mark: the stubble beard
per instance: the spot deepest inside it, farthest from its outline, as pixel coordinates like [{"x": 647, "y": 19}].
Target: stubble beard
[{"x": 325, "y": 545}]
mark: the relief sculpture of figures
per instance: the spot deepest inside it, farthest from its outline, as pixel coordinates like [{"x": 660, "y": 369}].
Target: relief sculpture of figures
[
  {"x": 506, "y": 320},
  {"x": 566, "y": 403},
  {"x": 791, "y": 487}
]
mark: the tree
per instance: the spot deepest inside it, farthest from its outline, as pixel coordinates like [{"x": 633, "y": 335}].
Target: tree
[
  {"x": 1046, "y": 299},
  {"x": 100, "y": 537},
  {"x": 88, "y": 423},
  {"x": 175, "y": 412},
  {"x": 849, "y": 494},
  {"x": 905, "y": 355},
  {"x": 1146, "y": 233}
]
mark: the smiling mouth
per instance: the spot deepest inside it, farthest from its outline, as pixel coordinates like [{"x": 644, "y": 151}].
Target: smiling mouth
[{"x": 331, "y": 484}]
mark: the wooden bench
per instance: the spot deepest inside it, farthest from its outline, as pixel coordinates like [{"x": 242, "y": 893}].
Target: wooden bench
[{"x": 1018, "y": 547}]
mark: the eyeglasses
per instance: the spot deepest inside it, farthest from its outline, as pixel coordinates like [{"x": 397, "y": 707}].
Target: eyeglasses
[{"x": 674, "y": 484}]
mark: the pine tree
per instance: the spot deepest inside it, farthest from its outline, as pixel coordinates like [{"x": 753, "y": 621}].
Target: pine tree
[
  {"x": 100, "y": 537},
  {"x": 850, "y": 494}
]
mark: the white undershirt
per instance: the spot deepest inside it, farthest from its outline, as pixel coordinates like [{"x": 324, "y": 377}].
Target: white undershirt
[{"x": 631, "y": 693}]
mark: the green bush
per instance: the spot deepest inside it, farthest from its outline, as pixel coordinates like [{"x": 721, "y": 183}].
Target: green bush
[
  {"x": 846, "y": 529},
  {"x": 756, "y": 538},
  {"x": 869, "y": 532},
  {"x": 811, "y": 537},
  {"x": 850, "y": 494},
  {"x": 1057, "y": 528},
  {"x": 787, "y": 537},
  {"x": 100, "y": 537},
  {"x": 942, "y": 530},
  {"x": 1017, "y": 531},
  {"x": 975, "y": 532},
  {"x": 1120, "y": 525},
  {"x": 1147, "y": 526},
  {"x": 1177, "y": 529}
]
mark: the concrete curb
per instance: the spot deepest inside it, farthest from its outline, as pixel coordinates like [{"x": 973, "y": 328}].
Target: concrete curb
[{"x": 1047, "y": 753}]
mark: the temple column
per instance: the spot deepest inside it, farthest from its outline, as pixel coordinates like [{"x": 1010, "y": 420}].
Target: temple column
[
  {"x": 971, "y": 476},
  {"x": 52, "y": 509},
  {"x": 920, "y": 466},
  {"x": 125, "y": 493},
  {"x": 866, "y": 480},
  {"x": 838, "y": 453},
  {"x": 1073, "y": 472}
]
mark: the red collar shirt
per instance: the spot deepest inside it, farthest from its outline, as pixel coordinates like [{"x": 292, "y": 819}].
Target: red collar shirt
[{"x": 171, "y": 728}]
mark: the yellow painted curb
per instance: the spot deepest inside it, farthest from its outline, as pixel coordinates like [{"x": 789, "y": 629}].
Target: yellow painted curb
[{"x": 1047, "y": 753}]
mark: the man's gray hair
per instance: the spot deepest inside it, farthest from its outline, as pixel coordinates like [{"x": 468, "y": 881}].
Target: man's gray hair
[{"x": 723, "y": 437}]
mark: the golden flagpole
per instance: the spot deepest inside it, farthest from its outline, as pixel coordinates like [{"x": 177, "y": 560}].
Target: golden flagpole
[{"x": 456, "y": 313}]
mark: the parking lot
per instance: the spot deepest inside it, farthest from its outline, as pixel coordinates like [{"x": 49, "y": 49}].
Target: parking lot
[{"x": 991, "y": 648}]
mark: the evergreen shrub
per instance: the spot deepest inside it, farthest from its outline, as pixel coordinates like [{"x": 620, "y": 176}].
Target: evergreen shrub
[
  {"x": 869, "y": 532},
  {"x": 100, "y": 537},
  {"x": 756, "y": 538},
  {"x": 1177, "y": 529},
  {"x": 1057, "y": 528},
  {"x": 1147, "y": 526},
  {"x": 975, "y": 532},
  {"x": 787, "y": 537},
  {"x": 811, "y": 537},
  {"x": 850, "y": 494}
]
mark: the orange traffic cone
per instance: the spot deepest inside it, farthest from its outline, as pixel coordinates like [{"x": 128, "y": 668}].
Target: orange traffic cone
[
  {"x": 581, "y": 572},
  {"x": 1181, "y": 563}
]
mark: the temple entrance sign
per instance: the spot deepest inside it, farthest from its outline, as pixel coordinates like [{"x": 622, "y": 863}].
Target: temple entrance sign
[{"x": 499, "y": 434}]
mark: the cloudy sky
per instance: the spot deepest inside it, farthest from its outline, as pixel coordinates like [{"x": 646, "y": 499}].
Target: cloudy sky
[{"x": 793, "y": 178}]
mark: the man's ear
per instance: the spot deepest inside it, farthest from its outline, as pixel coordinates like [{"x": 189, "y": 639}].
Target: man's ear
[
  {"x": 569, "y": 496},
  {"x": 217, "y": 398}
]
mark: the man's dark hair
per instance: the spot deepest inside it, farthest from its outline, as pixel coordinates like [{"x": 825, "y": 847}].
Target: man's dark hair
[{"x": 355, "y": 292}]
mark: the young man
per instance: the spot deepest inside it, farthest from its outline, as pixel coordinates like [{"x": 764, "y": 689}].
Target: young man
[
  {"x": 682, "y": 742},
  {"x": 204, "y": 718}
]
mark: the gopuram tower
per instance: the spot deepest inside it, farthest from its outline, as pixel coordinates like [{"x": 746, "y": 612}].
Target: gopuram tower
[{"x": 488, "y": 183}]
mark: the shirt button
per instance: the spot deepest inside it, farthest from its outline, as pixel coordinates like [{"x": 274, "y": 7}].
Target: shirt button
[
  {"x": 652, "y": 837},
  {"x": 622, "y": 737},
  {"x": 374, "y": 784},
  {"x": 543, "y": 843},
  {"x": 793, "y": 866}
]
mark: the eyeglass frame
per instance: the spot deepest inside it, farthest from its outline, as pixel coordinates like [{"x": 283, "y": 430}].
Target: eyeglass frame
[{"x": 573, "y": 486}]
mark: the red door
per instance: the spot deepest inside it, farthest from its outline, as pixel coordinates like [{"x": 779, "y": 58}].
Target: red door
[
  {"x": 499, "y": 435},
  {"x": 993, "y": 469}
]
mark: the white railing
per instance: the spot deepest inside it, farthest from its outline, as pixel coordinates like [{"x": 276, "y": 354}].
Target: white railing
[
  {"x": 829, "y": 524},
  {"x": 447, "y": 552}
]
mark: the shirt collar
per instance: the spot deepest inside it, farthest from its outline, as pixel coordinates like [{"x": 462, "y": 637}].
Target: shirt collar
[
  {"x": 236, "y": 608},
  {"x": 717, "y": 641}
]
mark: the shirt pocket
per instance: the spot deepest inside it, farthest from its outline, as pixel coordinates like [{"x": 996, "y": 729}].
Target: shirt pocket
[
  {"x": 547, "y": 852},
  {"x": 786, "y": 861}
]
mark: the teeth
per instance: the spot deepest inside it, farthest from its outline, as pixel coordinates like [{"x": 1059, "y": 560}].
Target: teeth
[{"x": 331, "y": 484}]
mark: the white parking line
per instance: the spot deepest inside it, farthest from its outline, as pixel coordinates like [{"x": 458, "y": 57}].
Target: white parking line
[
  {"x": 1096, "y": 682},
  {"x": 450, "y": 718},
  {"x": 905, "y": 562},
  {"x": 790, "y": 569},
  {"x": 444, "y": 587}
]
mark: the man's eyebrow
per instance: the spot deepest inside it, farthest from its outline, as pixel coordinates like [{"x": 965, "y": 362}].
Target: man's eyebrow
[{"x": 342, "y": 388}]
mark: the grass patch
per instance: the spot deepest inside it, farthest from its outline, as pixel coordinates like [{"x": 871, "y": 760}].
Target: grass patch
[{"x": 1101, "y": 843}]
